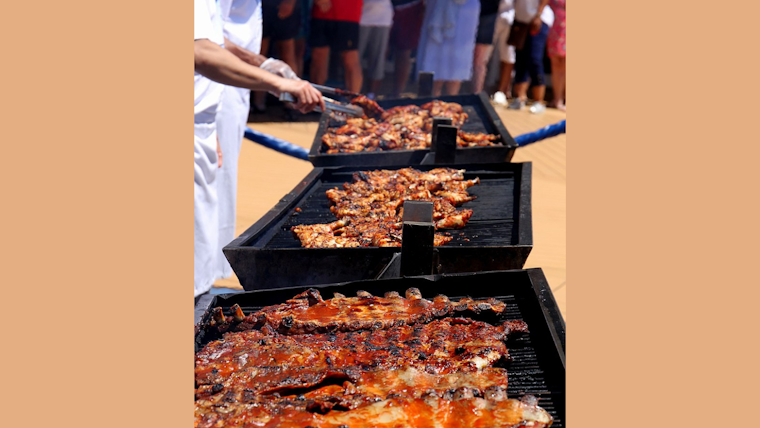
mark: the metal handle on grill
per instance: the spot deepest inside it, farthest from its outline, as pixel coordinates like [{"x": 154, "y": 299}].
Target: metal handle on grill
[{"x": 443, "y": 142}]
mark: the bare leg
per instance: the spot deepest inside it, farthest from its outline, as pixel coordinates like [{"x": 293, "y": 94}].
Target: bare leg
[
  {"x": 403, "y": 68},
  {"x": 374, "y": 86},
  {"x": 437, "y": 87},
  {"x": 558, "y": 81},
  {"x": 539, "y": 92},
  {"x": 452, "y": 87},
  {"x": 259, "y": 97},
  {"x": 300, "y": 54},
  {"x": 479, "y": 66},
  {"x": 505, "y": 79},
  {"x": 353, "y": 68},
  {"x": 287, "y": 50},
  {"x": 521, "y": 90},
  {"x": 320, "y": 60}
]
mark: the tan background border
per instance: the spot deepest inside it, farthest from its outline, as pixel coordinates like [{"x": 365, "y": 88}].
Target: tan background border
[{"x": 662, "y": 214}]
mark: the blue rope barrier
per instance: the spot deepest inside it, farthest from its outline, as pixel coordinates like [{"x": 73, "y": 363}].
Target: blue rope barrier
[
  {"x": 277, "y": 144},
  {"x": 541, "y": 134},
  {"x": 299, "y": 152}
]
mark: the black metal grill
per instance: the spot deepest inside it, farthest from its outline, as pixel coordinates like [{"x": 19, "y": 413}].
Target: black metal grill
[
  {"x": 537, "y": 363},
  {"x": 498, "y": 235},
  {"x": 482, "y": 118}
]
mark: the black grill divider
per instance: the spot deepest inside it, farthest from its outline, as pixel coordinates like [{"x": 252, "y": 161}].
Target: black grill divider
[
  {"x": 498, "y": 236},
  {"x": 482, "y": 118},
  {"x": 538, "y": 358}
]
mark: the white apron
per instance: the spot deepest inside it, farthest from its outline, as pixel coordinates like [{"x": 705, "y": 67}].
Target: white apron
[
  {"x": 205, "y": 204},
  {"x": 207, "y": 96},
  {"x": 242, "y": 26}
]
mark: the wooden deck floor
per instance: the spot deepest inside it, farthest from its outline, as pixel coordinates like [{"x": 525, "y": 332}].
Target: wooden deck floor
[{"x": 265, "y": 176}]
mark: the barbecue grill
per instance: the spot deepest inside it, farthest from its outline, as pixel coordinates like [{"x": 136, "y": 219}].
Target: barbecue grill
[
  {"x": 497, "y": 237},
  {"x": 482, "y": 118},
  {"x": 538, "y": 358}
]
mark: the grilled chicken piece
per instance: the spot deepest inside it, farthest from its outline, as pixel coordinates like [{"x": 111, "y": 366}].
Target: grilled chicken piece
[
  {"x": 308, "y": 312},
  {"x": 268, "y": 362},
  {"x": 398, "y": 128},
  {"x": 371, "y": 207},
  {"x": 428, "y": 411},
  {"x": 370, "y": 107}
]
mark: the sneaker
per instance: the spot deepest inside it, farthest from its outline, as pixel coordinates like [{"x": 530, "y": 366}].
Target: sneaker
[
  {"x": 499, "y": 98},
  {"x": 537, "y": 108},
  {"x": 517, "y": 104}
]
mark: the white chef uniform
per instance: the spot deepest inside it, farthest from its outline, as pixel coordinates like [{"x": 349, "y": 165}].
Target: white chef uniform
[
  {"x": 207, "y": 97},
  {"x": 242, "y": 26}
]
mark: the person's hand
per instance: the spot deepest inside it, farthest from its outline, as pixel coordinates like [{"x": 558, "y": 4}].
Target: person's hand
[
  {"x": 535, "y": 25},
  {"x": 323, "y": 5},
  {"x": 219, "y": 151},
  {"x": 286, "y": 8},
  {"x": 308, "y": 98},
  {"x": 280, "y": 68}
]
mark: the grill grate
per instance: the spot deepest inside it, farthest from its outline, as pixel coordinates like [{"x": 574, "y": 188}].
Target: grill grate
[
  {"x": 533, "y": 368},
  {"x": 492, "y": 222}
]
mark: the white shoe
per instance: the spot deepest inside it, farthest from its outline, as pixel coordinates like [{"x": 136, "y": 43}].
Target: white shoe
[
  {"x": 537, "y": 108},
  {"x": 499, "y": 98}
]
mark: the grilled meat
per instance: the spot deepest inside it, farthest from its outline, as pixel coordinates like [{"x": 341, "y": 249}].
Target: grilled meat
[
  {"x": 270, "y": 361},
  {"x": 308, "y": 312},
  {"x": 398, "y": 128},
  {"x": 370, "y": 208},
  {"x": 370, "y": 107},
  {"x": 429, "y": 411}
]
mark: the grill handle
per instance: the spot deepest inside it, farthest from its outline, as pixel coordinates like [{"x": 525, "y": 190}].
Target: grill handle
[
  {"x": 417, "y": 239},
  {"x": 443, "y": 142}
]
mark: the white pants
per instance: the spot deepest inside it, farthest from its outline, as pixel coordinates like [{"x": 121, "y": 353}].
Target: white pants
[
  {"x": 206, "y": 234},
  {"x": 231, "y": 119}
]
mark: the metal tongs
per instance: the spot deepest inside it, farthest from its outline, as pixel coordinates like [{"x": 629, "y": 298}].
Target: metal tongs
[{"x": 331, "y": 104}]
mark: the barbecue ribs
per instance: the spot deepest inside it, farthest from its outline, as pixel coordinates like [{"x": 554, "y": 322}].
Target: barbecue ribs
[
  {"x": 399, "y": 128},
  {"x": 308, "y": 312},
  {"x": 428, "y": 411},
  {"x": 369, "y": 210}
]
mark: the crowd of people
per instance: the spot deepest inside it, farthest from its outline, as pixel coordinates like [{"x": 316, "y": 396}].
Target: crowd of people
[
  {"x": 272, "y": 45},
  {"x": 454, "y": 39}
]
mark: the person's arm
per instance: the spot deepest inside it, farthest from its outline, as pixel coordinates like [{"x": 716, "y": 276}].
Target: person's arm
[
  {"x": 244, "y": 54},
  {"x": 536, "y": 23},
  {"x": 219, "y": 65}
]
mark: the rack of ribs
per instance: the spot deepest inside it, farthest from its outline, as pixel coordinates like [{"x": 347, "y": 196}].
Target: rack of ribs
[
  {"x": 464, "y": 410},
  {"x": 370, "y": 209},
  {"x": 399, "y": 128},
  {"x": 308, "y": 312}
]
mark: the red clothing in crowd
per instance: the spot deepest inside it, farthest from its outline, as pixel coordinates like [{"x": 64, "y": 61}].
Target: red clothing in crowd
[{"x": 341, "y": 10}]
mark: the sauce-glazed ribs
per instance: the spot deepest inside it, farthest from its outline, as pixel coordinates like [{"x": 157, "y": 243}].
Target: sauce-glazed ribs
[
  {"x": 370, "y": 209},
  {"x": 308, "y": 312},
  {"x": 399, "y": 128},
  {"x": 364, "y": 361}
]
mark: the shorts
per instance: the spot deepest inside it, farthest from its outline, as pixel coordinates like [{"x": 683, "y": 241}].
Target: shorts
[
  {"x": 486, "y": 27},
  {"x": 338, "y": 35},
  {"x": 373, "y": 43},
  {"x": 506, "y": 52},
  {"x": 278, "y": 29},
  {"x": 407, "y": 24}
]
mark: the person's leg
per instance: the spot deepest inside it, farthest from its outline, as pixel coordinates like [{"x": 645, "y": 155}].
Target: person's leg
[
  {"x": 287, "y": 50},
  {"x": 300, "y": 52},
  {"x": 353, "y": 70},
  {"x": 452, "y": 87},
  {"x": 260, "y": 97},
  {"x": 479, "y": 65},
  {"x": 320, "y": 60},
  {"x": 537, "y": 49},
  {"x": 437, "y": 88},
  {"x": 558, "y": 81},
  {"x": 377, "y": 54},
  {"x": 403, "y": 69},
  {"x": 505, "y": 77}
]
